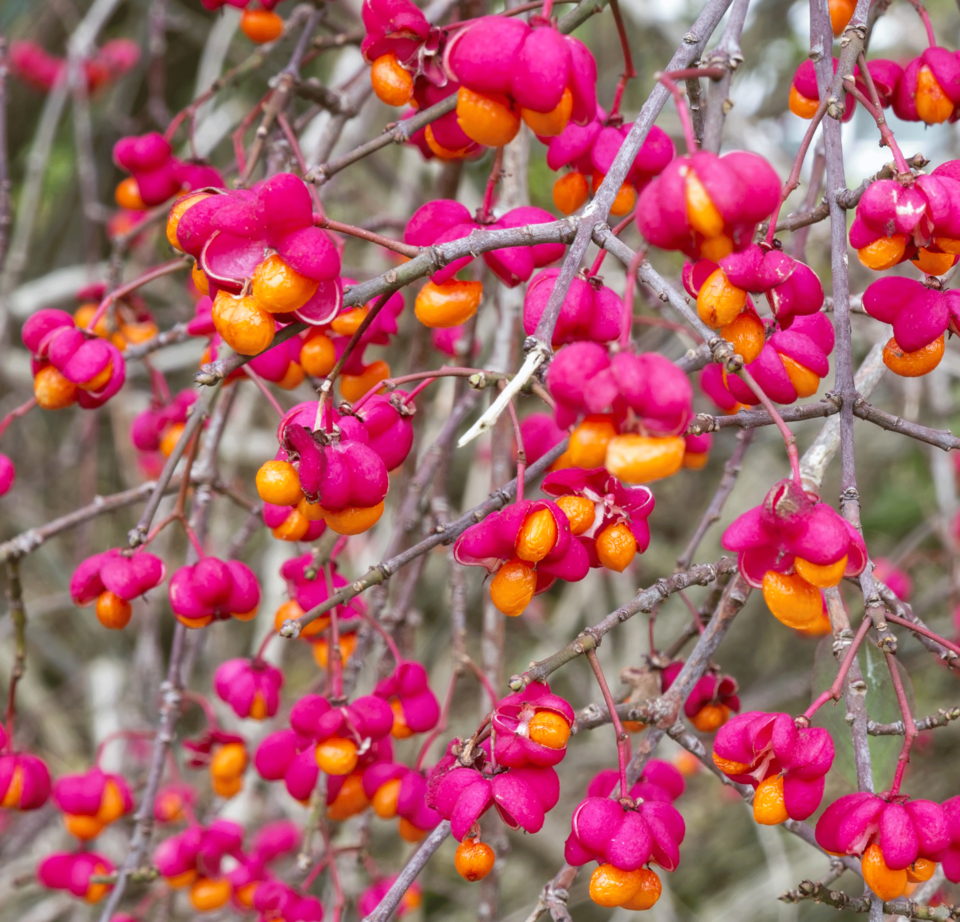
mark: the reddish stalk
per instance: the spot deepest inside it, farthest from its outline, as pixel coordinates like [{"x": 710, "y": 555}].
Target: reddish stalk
[
  {"x": 793, "y": 180},
  {"x": 417, "y": 390},
  {"x": 688, "y": 134},
  {"x": 909, "y": 726},
  {"x": 370, "y": 236},
  {"x": 335, "y": 659},
  {"x": 16, "y": 413},
  {"x": 445, "y": 371},
  {"x": 616, "y": 231},
  {"x": 789, "y": 439},
  {"x": 496, "y": 171},
  {"x": 925, "y": 632},
  {"x": 263, "y": 646},
  {"x": 622, "y": 738},
  {"x": 262, "y": 387},
  {"x": 441, "y": 724},
  {"x": 835, "y": 691},
  {"x": 190, "y": 697},
  {"x": 629, "y": 71},
  {"x": 626, "y": 321},
  {"x": 385, "y": 634},
  {"x": 339, "y": 899},
  {"x": 175, "y": 265},
  {"x": 925, "y": 17},
  {"x": 120, "y": 735},
  {"x": 886, "y": 135},
  {"x": 697, "y": 622},
  {"x": 521, "y": 454},
  {"x": 485, "y": 682}
]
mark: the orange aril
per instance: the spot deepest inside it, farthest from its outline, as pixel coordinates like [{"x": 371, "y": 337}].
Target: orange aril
[
  {"x": 550, "y": 124},
  {"x": 292, "y": 377},
  {"x": 803, "y": 379},
  {"x": 83, "y": 827},
  {"x": 474, "y": 859},
  {"x": 243, "y": 323},
  {"x": 385, "y": 800},
  {"x": 729, "y": 767},
  {"x": 200, "y": 280},
  {"x": 711, "y": 717},
  {"x": 210, "y": 893},
  {"x": 409, "y": 832},
  {"x": 246, "y": 615},
  {"x": 227, "y": 787},
  {"x": 625, "y": 200},
  {"x": 353, "y": 387},
  {"x": 177, "y": 211},
  {"x": 194, "y": 623},
  {"x": 336, "y": 756},
  {"x": 312, "y": 512},
  {"x": 818, "y": 628},
  {"x": 258, "y": 707},
  {"x": 913, "y": 364},
  {"x": 579, "y": 510},
  {"x": 290, "y": 611},
  {"x": 550, "y": 729},
  {"x": 647, "y": 895},
  {"x": 245, "y": 893},
  {"x": 400, "y": 730},
  {"x": 99, "y": 380},
  {"x": 633, "y": 726},
  {"x": 883, "y": 881},
  {"x": 112, "y": 611},
  {"x": 134, "y": 334},
  {"x": 52, "y": 390},
  {"x": 823, "y": 576},
  {"x": 716, "y": 248},
  {"x": 513, "y": 586},
  {"x": 884, "y": 253},
  {"x": 179, "y": 881},
  {"x": 292, "y": 528},
  {"x": 11, "y": 797},
  {"x": 768, "y": 805},
  {"x": 570, "y": 192},
  {"x": 840, "y": 13},
  {"x": 537, "y": 536},
  {"x": 642, "y": 458},
  {"x": 933, "y": 105},
  {"x": 111, "y": 804},
  {"x": 719, "y": 302},
  {"x": 261, "y": 26},
  {"x": 448, "y": 304},
  {"x": 278, "y": 483},
  {"x": 616, "y": 547},
  {"x": 170, "y": 438},
  {"x": 392, "y": 83},
  {"x": 489, "y": 120},
  {"x": 96, "y": 892},
  {"x": 347, "y": 322},
  {"x": 317, "y": 355},
  {"x": 127, "y": 195},
  {"x": 84, "y": 314},
  {"x": 439, "y": 151},
  {"x": 229, "y": 761},
  {"x": 610, "y": 886},
  {"x": 791, "y": 599},
  {"x": 746, "y": 334},
  {"x": 947, "y": 244},
  {"x": 353, "y": 520},
  {"x": 702, "y": 214},
  {"x": 802, "y": 106},
  {"x": 321, "y": 650},
  {"x": 695, "y": 460},
  {"x": 280, "y": 289},
  {"x": 933, "y": 263},
  {"x": 588, "y": 443},
  {"x": 922, "y": 869},
  {"x": 350, "y": 800}
]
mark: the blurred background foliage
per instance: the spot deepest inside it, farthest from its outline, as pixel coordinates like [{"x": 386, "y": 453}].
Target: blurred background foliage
[{"x": 83, "y": 682}]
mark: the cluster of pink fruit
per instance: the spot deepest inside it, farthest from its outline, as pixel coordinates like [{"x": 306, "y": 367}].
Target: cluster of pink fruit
[{"x": 42, "y": 70}]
